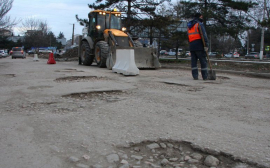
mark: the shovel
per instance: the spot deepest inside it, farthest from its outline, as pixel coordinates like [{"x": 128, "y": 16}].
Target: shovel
[{"x": 211, "y": 73}]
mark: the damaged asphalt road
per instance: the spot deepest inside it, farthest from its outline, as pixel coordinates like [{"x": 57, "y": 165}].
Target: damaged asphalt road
[{"x": 65, "y": 115}]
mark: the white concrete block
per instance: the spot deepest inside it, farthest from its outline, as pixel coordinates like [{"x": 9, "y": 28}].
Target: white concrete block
[
  {"x": 35, "y": 57},
  {"x": 125, "y": 62}
]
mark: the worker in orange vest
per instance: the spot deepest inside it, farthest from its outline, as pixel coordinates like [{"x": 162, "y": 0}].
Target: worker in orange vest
[{"x": 197, "y": 49}]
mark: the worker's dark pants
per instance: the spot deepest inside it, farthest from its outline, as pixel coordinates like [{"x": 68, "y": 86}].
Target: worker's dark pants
[{"x": 201, "y": 55}]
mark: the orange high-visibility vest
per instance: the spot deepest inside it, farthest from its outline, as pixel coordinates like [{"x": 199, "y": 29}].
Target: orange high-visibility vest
[{"x": 193, "y": 33}]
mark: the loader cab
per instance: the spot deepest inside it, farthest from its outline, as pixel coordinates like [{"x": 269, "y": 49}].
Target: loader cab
[
  {"x": 100, "y": 20},
  {"x": 96, "y": 25}
]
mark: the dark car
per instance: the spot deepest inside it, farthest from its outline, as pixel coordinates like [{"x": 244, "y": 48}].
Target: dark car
[
  {"x": 17, "y": 52},
  {"x": 252, "y": 55},
  {"x": 31, "y": 52}
]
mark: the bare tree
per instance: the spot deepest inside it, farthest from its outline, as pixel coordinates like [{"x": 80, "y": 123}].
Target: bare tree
[
  {"x": 29, "y": 24},
  {"x": 37, "y": 33},
  {"x": 32, "y": 24},
  {"x": 5, "y": 21}
]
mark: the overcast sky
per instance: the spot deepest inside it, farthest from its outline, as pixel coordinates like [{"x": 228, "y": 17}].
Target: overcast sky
[{"x": 59, "y": 14}]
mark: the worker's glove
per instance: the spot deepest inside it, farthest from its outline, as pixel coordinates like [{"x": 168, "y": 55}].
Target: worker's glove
[{"x": 206, "y": 49}]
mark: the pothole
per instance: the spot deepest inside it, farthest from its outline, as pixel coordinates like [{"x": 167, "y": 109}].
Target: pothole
[
  {"x": 222, "y": 77},
  {"x": 109, "y": 95},
  {"x": 172, "y": 86},
  {"x": 195, "y": 89},
  {"x": 179, "y": 84},
  {"x": 79, "y": 78},
  {"x": 9, "y": 75},
  {"x": 169, "y": 154},
  {"x": 68, "y": 70}
]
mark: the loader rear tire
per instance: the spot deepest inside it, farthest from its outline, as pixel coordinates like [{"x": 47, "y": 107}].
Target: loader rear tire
[
  {"x": 138, "y": 44},
  {"x": 86, "y": 57},
  {"x": 101, "y": 53}
]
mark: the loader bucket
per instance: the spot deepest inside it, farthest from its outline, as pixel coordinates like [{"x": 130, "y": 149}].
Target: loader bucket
[{"x": 145, "y": 58}]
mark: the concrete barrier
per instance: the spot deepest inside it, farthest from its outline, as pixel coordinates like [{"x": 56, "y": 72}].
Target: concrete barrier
[
  {"x": 125, "y": 62},
  {"x": 35, "y": 57}
]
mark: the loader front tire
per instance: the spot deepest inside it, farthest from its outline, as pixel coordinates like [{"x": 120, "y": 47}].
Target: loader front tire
[
  {"x": 101, "y": 53},
  {"x": 138, "y": 44},
  {"x": 86, "y": 57}
]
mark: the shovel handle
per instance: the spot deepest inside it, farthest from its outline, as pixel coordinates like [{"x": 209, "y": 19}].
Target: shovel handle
[{"x": 208, "y": 59}]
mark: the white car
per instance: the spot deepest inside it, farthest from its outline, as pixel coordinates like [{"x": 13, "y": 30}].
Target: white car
[
  {"x": 236, "y": 55},
  {"x": 41, "y": 50},
  {"x": 228, "y": 55},
  {"x": 188, "y": 54},
  {"x": 232, "y": 55},
  {"x": 172, "y": 52},
  {"x": 2, "y": 53}
]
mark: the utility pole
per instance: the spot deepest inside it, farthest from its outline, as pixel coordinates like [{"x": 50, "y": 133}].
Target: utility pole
[
  {"x": 73, "y": 35},
  {"x": 247, "y": 41},
  {"x": 262, "y": 36}
]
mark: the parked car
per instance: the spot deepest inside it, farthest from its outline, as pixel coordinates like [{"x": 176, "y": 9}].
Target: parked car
[
  {"x": 3, "y": 53},
  {"x": 163, "y": 52},
  {"x": 60, "y": 52},
  {"x": 188, "y": 54},
  {"x": 42, "y": 50},
  {"x": 236, "y": 55},
  {"x": 31, "y": 52},
  {"x": 228, "y": 55},
  {"x": 232, "y": 55},
  {"x": 17, "y": 52},
  {"x": 172, "y": 52},
  {"x": 252, "y": 55},
  {"x": 212, "y": 54}
]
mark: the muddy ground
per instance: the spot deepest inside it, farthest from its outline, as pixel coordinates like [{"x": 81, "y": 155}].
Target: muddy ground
[{"x": 65, "y": 115}]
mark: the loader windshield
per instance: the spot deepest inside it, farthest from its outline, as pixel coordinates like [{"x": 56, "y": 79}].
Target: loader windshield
[{"x": 114, "y": 23}]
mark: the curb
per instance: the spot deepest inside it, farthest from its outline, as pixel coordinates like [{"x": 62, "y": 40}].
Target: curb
[{"x": 250, "y": 74}]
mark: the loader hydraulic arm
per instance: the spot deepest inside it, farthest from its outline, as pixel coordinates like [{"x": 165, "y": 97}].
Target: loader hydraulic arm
[
  {"x": 130, "y": 38},
  {"x": 112, "y": 37}
]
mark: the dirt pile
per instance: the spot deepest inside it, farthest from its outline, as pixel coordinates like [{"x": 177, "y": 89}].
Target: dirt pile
[
  {"x": 41, "y": 55},
  {"x": 71, "y": 53}
]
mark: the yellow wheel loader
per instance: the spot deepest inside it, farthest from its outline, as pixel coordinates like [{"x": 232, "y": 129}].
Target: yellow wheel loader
[{"x": 103, "y": 35}]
